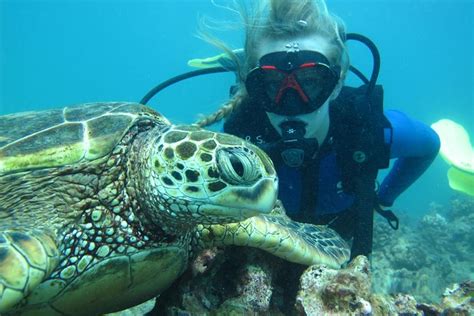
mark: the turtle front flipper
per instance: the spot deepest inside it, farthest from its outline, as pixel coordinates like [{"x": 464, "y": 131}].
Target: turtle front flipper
[
  {"x": 293, "y": 241},
  {"x": 26, "y": 259}
]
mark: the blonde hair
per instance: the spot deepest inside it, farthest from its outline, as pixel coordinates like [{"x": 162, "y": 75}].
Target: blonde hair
[{"x": 279, "y": 19}]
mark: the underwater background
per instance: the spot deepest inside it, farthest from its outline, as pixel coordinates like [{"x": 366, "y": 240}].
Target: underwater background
[{"x": 55, "y": 53}]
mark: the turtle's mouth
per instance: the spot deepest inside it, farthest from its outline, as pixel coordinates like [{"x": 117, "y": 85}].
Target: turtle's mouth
[
  {"x": 241, "y": 203},
  {"x": 224, "y": 213},
  {"x": 260, "y": 197}
]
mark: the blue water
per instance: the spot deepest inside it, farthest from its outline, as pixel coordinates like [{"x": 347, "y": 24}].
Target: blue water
[{"x": 56, "y": 53}]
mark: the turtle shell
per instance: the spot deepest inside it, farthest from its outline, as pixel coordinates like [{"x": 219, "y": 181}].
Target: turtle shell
[{"x": 53, "y": 138}]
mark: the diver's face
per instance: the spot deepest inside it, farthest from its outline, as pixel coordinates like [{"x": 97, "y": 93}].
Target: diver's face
[{"x": 317, "y": 122}]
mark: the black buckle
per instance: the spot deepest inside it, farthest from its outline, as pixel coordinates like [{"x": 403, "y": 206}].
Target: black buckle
[{"x": 391, "y": 218}]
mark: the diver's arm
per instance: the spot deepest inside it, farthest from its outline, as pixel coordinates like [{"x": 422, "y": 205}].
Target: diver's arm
[{"x": 415, "y": 145}]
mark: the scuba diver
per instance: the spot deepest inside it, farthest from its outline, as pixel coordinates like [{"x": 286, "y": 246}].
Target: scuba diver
[{"x": 327, "y": 140}]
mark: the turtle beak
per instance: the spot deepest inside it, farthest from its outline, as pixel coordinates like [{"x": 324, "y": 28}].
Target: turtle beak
[{"x": 243, "y": 202}]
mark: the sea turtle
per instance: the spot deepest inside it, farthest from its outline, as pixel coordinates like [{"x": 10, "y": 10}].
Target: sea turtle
[{"x": 102, "y": 205}]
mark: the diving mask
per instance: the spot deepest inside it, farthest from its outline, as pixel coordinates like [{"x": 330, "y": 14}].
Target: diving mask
[{"x": 292, "y": 83}]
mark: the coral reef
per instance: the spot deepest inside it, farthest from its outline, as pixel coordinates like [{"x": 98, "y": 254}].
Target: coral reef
[
  {"x": 324, "y": 291},
  {"x": 423, "y": 258},
  {"x": 416, "y": 270},
  {"x": 347, "y": 291},
  {"x": 236, "y": 283},
  {"x": 459, "y": 299}
]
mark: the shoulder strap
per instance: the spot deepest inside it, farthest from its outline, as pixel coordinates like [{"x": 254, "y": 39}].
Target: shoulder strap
[
  {"x": 359, "y": 128},
  {"x": 359, "y": 139}
]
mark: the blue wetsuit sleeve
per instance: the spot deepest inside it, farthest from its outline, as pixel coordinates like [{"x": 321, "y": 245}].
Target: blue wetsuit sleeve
[{"x": 415, "y": 145}]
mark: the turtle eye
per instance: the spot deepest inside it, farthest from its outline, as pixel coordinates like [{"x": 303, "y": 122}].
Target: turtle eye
[{"x": 237, "y": 166}]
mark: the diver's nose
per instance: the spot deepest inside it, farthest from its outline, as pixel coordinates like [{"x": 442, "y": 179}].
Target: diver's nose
[{"x": 238, "y": 166}]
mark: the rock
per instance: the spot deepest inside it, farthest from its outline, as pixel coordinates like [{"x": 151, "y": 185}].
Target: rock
[
  {"x": 255, "y": 289},
  {"x": 328, "y": 291},
  {"x": 429, "y": 310},
  {"x": 325, "y": 291},
  {"x": 204, "y": 260},
  {"x": 459, "y": 299},
  {"x": 236, "y": 283},
  {"x": 406, "y": 305},
  {"x": 411, "y": 267},
  {"x": 309, "y": 300}
]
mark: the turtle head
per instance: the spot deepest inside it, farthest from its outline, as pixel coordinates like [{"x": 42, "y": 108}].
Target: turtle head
[{"x": 205, "y": 177}]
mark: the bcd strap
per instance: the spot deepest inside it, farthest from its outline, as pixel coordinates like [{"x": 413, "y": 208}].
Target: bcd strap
[
  {"x": 359, "y": 140},
  {"x": 359, "y": 134},
  {"x": 364, "y": 217}
]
